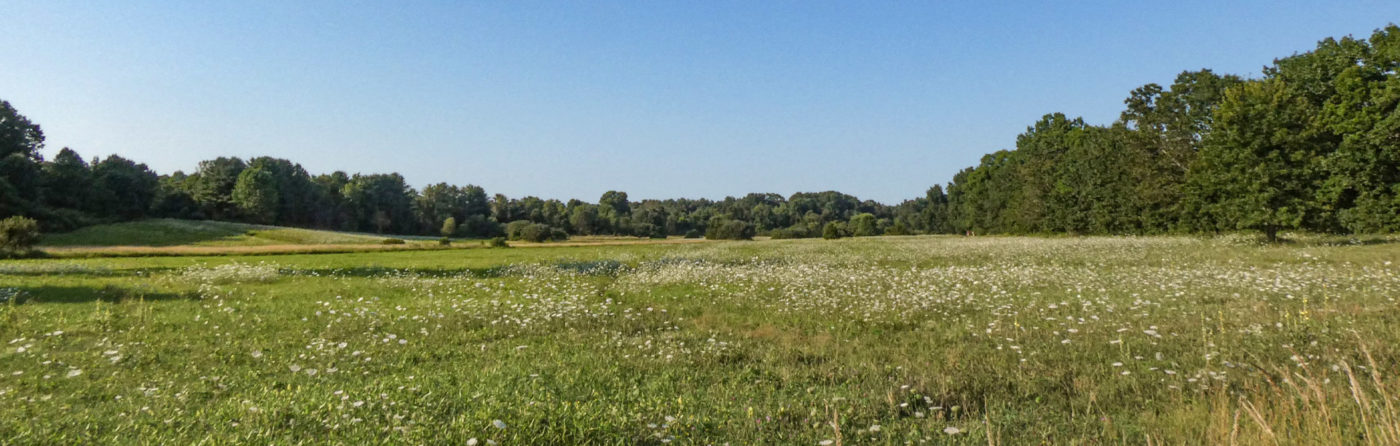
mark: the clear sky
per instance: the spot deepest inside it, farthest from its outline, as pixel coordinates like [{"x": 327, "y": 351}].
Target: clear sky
[{"x": 659, "y": 99}]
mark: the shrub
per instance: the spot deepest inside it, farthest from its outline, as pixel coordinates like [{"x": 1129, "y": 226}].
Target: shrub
[
  {"x": 558, "y": 235},
  {"x": 392, "y": 241},
  {"x": 497, "y": 242},
  {"x": 445, "y": 241},
  {"x": 863, "y": 225},
  {"x": 832, "y": 231},
  {"x": 449, "y": 227},
  {"x": 797, "y": 231},
  {"x": 725, "y": 229},
  {"x": 63, "y": 220},
  {"x": 516, "y": 230},
  {"x": 897, "y": 229},
  {"x": 693, "y": 233},
  {"x": 534, "y": 233},
  {"x": 478, "y": 226},
  {"x": 649, "y": 230},
  {"x": 18, "y": 235}
]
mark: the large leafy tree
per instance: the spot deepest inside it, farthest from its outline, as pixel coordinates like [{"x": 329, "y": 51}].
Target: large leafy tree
[
  {"x": 1163, "y": 133},
  {"x": 296, "y": 195},
  {"x": 257, "y": 194},
  {"x": 331, "y": 210},
  {"x": 1364, "y": 112},
  {"x": 125, "y": 188},
  {"x": 382, "y": 203},
  {"x": 20, "y": 141},
  {"x": 1263, "y": 161},
  {"x": 68, "y": 181},
  {"x": 212, "y": 186}
]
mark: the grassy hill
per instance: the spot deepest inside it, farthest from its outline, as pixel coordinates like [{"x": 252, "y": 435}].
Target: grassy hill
[{"x": 171, "y": 232}]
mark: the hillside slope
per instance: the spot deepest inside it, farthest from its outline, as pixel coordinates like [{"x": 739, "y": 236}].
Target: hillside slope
[{"x": 172, "y": 232}]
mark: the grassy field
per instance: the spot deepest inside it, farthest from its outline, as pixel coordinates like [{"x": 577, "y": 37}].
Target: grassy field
[
  {"x": 169, "y": 237},
  {"x": 171, "y": 232},
  {"x": 890, "y": 340}
]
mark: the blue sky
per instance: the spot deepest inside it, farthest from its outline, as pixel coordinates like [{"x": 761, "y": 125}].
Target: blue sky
[{"x": 658, "y": 99}]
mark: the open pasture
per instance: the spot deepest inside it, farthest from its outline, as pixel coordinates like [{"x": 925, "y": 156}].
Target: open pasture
[{"x": 890, "y": 340}]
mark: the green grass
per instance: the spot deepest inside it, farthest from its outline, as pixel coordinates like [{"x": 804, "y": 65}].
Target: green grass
[
  {"x": 171, "y": 232},
  {"x": 889, "y": 340}
]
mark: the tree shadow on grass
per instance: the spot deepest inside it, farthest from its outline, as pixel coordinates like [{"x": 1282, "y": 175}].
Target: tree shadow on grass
[
  {"x": 75, "y": 270},
  {"x": 80, "y": 294},
  {"x": 587, "y": 268}
]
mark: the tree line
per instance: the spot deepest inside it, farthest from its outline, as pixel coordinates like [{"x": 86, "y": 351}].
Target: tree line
[
  {"x": 1313, "y": 144},
  {"x": 68, "y": 192}
]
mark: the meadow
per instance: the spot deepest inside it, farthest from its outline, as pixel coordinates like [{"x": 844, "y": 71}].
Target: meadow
[{"x": 884, "y": 340}]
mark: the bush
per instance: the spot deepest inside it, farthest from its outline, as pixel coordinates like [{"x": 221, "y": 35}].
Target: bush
[
  {"x": 478, "y": 226},
  {"x": 797, "y": 231},
  {"x": 516, "y": 230},
  {"x": 63, "y": 220},
  {"x": 649, "y": 230},
  {"x": 863, "y": 225},
  {"x": 725, "y": 229},
  {"x": 449, "y": 227},
  {"x": 693, "y": 233},
  {"x": 392, "y": 241},
  {"x": 558, "y": 235},
  {"x": 18, "y": 235},
  {"x": 534, "y": 232},
  {"x": 897, "y": 229},
  {"x": 445, "y": 241},
  {"x": 497, "y": 242},
  {"x": 832, "y": 231}
]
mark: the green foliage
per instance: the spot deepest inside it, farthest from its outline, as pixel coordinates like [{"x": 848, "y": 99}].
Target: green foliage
[
  {"x": 833, "y": 230},
  {"x": 897, "y": 228},
  {"x": 256, "y": 195},
  {"x": 20, "y": 181},
  {"x": 534, "y": 232},
  {"x": 516, "y": 230},
  {"x": 721, "y": 228},
  {"x": 497, "y": 242},
  {"x": 67, "y": 193},
  {"x": 1310, "y": 146},
  {"x": 863, "y": 225},
  {"x": 441, "y": 201},
  {"x": 382, "y": 202},
  {"x": 449, "y": 227},
  {"x": 392, "y": 241},
  {"x": 797, "y": 231},
  {"x": 212, "y": 186},
  {"x": 18, "y": 235},
  {"x": 68, "y": 182},
  {"x": 1262, "y": 163}
]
